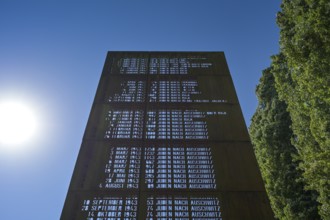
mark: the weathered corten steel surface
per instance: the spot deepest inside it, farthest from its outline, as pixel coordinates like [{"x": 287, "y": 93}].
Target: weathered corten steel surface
[{"x": 166, "y": 139}]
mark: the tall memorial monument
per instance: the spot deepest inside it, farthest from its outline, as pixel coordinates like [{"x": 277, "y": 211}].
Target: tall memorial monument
[{"x": 166, "y": 139}]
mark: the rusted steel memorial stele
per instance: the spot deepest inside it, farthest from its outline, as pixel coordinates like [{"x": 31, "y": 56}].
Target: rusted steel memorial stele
[{"x": 166, "y": 139}]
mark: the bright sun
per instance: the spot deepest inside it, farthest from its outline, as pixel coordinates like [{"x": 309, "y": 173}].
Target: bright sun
[{"x": 18, "y": 123}]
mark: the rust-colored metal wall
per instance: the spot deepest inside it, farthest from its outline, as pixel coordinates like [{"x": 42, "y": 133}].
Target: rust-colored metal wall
[{"x": 166, "y": 139}]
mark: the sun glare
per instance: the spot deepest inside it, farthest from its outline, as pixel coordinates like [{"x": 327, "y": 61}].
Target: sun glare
[{"x": 18, "y": 123}]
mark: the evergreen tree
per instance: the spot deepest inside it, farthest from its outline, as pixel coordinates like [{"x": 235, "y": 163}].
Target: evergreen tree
[
  {"x": 271, "y": 136},
  {"x": 304, "y": 85}
]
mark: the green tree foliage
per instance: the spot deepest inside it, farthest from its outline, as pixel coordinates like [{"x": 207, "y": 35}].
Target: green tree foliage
[
  {"x": 305, "y": 87},
  {"x": 271, "y": 136}
]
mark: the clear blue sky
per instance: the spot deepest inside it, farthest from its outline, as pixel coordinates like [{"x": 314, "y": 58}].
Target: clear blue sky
[{"x": 52, "y": 54}]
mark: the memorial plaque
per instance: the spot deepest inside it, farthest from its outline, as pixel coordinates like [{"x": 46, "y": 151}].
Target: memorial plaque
[{"x": 166, "y": 139}]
